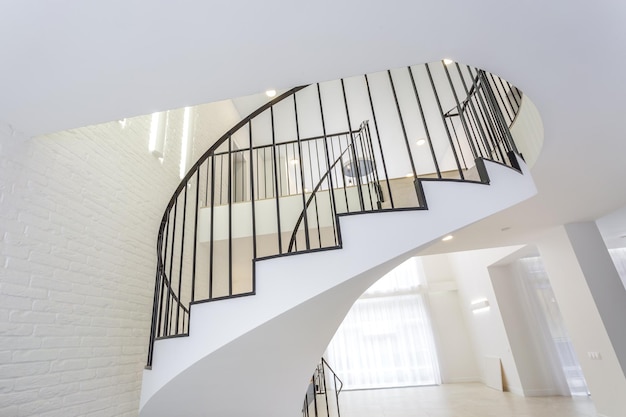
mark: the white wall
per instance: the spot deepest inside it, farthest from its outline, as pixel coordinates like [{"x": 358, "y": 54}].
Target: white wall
[
  {"x": 457, "y": 359},
  {"x": 79, "y": 212},
  {"x": 528, "y": 346},
  {"x": 591, "y": 299},
  {"x": 487, "y": 327},
  {"x": 527, "y": 131}
]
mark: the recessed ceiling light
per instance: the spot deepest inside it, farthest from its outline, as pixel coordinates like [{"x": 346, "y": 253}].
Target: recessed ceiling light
[
  {"x": 409, "y": 175},
  {"x": 270, "y": 93},
  {"x": 447, "y": 238},
  {"x": 421, "y": 142},
  {"x": 448, "y": 61},
  {"x": 293, "y": 161}
]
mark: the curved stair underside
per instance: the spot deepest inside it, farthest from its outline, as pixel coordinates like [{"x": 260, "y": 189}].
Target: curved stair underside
[{"x": 253, "y": 356}]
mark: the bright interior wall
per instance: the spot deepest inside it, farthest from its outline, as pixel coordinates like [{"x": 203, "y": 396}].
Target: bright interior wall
[
  {"x": 538, "y": 369},
  {"x": 78, "y": 221},
  {"x": 486, "y": 327},
  {"x": 457, "y": 358}
]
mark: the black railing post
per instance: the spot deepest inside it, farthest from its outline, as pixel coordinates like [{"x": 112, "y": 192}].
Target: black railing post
[
  {"x": 401, "y": 119},
  {"x": 300, "y": 163},
  {"x": 195, "y": 239},
  {"x": 331, "y": 189},
  {"x": 230, "y": 216},
  {"x": 182, "y": 257},
  {"x": 499, "y": 118},
  {"x": 424, "y": 124},
  {"x": 277, "y": 193},
  {"x": 470, "y": 103},
  {"x": 252, "y": 194},
  {"x": 458, "y": 104},
  {"x": 212, "y": 227},
  {"x": 356, "y": 171},
  {"x": 445, "y": 125},
  {"x": 380, "y": 146}
]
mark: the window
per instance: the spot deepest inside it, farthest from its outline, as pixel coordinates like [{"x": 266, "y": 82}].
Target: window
[{"x": 386, "y": 340}]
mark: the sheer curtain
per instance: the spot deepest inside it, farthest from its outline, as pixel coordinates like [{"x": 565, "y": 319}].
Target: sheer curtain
[
  {"x": 386, "y": 340},
  {"x": 541, "y": 297}
]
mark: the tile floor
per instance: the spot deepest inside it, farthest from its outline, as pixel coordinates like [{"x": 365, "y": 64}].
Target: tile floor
[{"x": 458, "y": 400}]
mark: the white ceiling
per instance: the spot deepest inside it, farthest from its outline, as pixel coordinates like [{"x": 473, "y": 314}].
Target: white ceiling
[{"x": 71, "y": 63}]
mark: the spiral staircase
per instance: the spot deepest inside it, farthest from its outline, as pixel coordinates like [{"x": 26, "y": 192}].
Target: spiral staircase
[{"x": 293, "y": 213}]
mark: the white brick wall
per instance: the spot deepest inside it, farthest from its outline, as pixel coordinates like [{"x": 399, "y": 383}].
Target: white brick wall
[{"x": 79, "y": 212}]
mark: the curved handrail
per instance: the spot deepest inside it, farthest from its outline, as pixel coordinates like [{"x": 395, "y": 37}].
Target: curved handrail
[
  {"x": 192, "y": 170},
  {"x": 262, "y": 165},
  {"x": 292, "y": 241},
  {"x": 161, "y": 278}
]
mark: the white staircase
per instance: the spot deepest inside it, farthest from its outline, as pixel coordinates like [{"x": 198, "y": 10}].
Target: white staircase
[{"x": 253, "y": 356}]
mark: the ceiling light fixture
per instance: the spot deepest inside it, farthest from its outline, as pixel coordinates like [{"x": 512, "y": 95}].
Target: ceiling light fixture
[
  {"x": 294, "y": 161},
  {"x": 447, "y": 238},
  {"x": 448, "y": 61},
  {"x": 270, "y": 93},
  {"x": 421, "y": 142}
]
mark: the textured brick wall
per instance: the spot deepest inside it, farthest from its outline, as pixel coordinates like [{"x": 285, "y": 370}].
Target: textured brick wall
[{"x": 79, "y": 212}]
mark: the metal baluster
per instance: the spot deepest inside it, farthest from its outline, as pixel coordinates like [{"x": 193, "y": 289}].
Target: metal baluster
[
  {"x": 317, "y": 215},
  {"x": 445, "y": 125},
  {"x": 356, "y": 161},
  {"x": 169, "y": 277},
  {"x": 180, "y": 269},
  {"x": 365, "y": 175},
  {"x": 306, "y": 220},
  {"x": 331, "y": 190},
  {"x": 406, "y": 138},
  {"x": 276, "y": 181},
  {"x": 426, "y": 131},
  {"x": 211, "y": 237},
  {"x": 380, "y": 146},
  {"x": 501, "y": 103},
  {"x": 195, "y": 238},
  {"x": 471, "y": 104},
  {"x": 230, "y": 216},
  {"x": 458, "y": 104},
  {"x": 252, "y": 197}
]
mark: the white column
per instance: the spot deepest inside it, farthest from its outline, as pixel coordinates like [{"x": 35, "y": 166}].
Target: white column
[{"x": 592, "y": 300}]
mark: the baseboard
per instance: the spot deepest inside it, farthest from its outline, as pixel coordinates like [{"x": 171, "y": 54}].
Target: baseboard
[
  {"x": 548, "y": 392},
  {"x": 515, "y": 390},
  {"x": 461, "y": 380}
]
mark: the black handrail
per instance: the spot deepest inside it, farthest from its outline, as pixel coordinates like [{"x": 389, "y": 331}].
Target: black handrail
[
  {"x": 313, "y": 195},
  {"x": 250, "y": 187},
  {"x": 357, "y": 156},
  {"x": 317, "y": 393}
]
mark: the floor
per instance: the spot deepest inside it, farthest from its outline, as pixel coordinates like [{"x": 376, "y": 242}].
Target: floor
[{"x": 458, "y": 400}]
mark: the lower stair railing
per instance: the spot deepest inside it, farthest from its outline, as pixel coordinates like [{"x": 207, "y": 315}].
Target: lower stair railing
[{"x": 322, "y": 396}]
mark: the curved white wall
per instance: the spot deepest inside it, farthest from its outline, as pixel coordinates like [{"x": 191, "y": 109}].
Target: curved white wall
[{"x": 527, "y": 131}]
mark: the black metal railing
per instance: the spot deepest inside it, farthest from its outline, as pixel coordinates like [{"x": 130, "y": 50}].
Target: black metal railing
[
  {"x": 274, "y": 184},
  {"x": 322, "y": 395}
]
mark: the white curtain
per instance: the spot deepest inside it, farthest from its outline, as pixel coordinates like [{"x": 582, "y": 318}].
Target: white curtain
[
  {"x": 548, "y": 316},
  {"x": 386, "y": 340}
]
